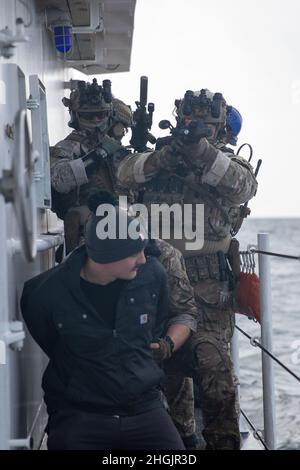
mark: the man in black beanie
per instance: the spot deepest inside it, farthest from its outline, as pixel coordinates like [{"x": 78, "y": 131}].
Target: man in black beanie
[{"x": 96, "y": 316}]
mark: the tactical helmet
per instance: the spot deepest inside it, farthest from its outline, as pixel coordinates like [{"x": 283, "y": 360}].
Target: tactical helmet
[
  {"x": 90, "y": 105},
  {"x": 205, "y": 105},
  {"x": 234, "y": 123},
  {"x": 122, "y": 113}
]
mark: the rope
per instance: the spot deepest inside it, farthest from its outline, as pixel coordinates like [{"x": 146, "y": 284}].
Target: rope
[
  {"x": 257, "y": 343},
  {"x": 255, "y": 431},
  {"x": 275, "y": 254}
]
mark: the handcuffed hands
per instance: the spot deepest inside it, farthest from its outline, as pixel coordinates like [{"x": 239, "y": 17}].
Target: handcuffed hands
[{"x": 162, "y": 349}]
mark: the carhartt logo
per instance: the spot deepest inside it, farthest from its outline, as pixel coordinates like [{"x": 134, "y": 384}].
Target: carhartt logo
[
  {"x": 2, "y": 353},
  {"x": 144, "y": 318}
]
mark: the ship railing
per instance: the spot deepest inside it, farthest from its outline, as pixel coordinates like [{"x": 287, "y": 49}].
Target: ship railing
[{"x": 267, "y": 436}]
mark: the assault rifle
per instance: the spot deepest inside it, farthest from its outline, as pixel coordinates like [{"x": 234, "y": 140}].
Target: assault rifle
[
  {"x": 142, "y": 120},
  {"x": 185, "y": 132},
  {"x": 107, "y": 147}
]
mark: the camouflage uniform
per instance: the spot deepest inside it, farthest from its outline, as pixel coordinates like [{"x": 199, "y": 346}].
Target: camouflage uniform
[
  {"x": 182, "y": 310},
  {"x": 221, "y": 181},
  {"x": 74, "y": 178},
  {"x": 69, "y": 175},
  {"x": 72, "y": 187}
]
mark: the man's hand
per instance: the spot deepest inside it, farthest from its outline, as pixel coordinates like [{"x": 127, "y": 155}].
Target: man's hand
[
  {"x": 162, "y": 349},
  {"x": 201, "y": 153},
  {"x": 167, "y": 158}
]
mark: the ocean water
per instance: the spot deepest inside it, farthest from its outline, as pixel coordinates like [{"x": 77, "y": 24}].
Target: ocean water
[{"x": 285, "y": 278}]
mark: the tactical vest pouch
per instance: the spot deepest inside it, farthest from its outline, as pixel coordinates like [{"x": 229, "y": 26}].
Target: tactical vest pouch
[
  {"x": 213, "y": 294},
  {"x": 205, "y": 276},
  {"x": 233, "y": 257},
  {"x": 200, "y": 268}
]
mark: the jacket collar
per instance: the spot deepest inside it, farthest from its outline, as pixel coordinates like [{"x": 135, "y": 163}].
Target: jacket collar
[
  {"x": 76, "y": 259},
  {"x": 73, "y": 265}
]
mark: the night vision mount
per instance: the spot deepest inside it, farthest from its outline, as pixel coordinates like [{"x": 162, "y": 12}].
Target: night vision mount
[
  {"x": 191, "y": 101},
  {"x": 92, "y": 93}
]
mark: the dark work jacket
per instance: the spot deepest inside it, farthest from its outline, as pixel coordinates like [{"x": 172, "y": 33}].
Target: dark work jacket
[{"x": 91, "y": 366}]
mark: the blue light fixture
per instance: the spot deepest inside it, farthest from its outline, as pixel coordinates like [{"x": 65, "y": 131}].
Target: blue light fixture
[{"x": 62, "y": 38}]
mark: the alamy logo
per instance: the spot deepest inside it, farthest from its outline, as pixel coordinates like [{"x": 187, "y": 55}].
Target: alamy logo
[
  {"x": 2, "y": 353},
  {"x": 176, "y": 222}
]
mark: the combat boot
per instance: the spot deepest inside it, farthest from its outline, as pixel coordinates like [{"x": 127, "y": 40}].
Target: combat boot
[
  {"x": 222, "y": 443},
  {"x": 192, "y": 442}
]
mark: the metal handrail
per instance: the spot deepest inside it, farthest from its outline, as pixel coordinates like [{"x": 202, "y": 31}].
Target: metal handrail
[
  {"x": 271, "y": 253},
  {"x": 255, "y": 430},
  {"x": 268, "y": 358},
  {"x": 254, "y": 342}
]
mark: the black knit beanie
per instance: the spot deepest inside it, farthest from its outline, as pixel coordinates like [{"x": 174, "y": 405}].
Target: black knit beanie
[{"x": 108, "y": 250}]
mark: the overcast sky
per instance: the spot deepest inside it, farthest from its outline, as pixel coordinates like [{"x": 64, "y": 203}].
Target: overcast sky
[{"x": 249, "y": 51}]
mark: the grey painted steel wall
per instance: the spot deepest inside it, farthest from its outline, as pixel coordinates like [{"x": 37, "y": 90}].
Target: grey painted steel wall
[
  {"x": 20, "y": 376},
  {"x": 21, "y": 413}
]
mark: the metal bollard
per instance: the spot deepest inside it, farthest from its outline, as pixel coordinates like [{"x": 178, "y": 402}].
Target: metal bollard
[{"x": 266, "y": 340}]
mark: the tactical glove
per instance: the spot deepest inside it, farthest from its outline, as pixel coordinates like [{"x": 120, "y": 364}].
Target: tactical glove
[
  {"x": 200, "y": 154},
  {"x": 166, "y": 158},
  {"x": 165, "y": 350}
]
